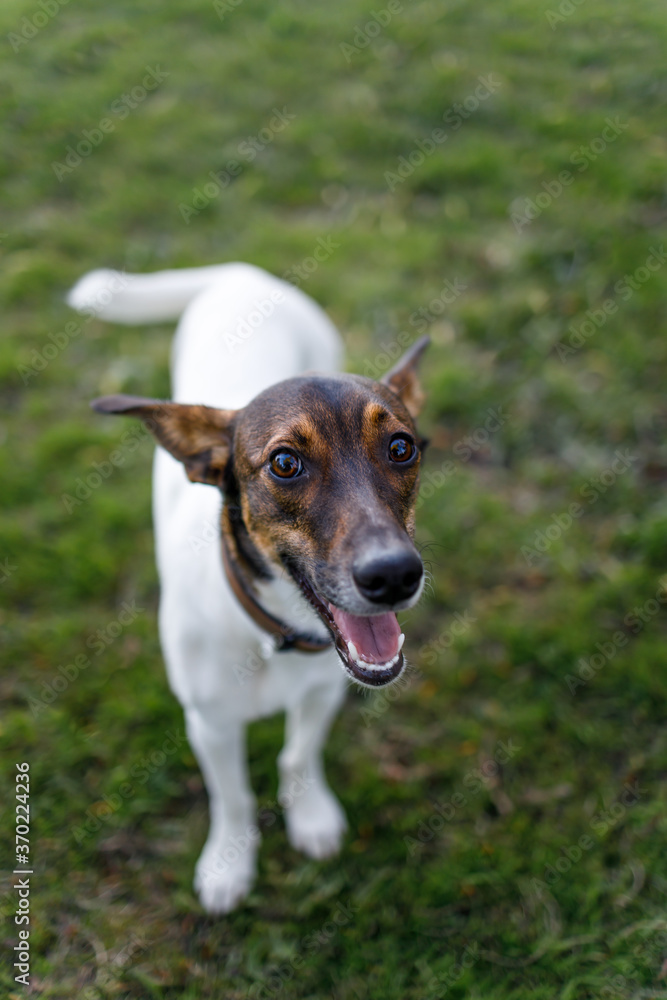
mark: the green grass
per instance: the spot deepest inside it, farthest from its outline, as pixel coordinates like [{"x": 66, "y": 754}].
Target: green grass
[{"x": 113, "y": 914}]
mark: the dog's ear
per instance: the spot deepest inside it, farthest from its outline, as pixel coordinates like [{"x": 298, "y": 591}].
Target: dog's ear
[
  {"x": 404, "y": 380},
  {"x": 198, "y": 436}
]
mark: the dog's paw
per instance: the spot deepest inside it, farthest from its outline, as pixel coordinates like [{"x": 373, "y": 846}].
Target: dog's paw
[
  {"x": 222, "y": 884},
  {"x": 316, "y": 824}
]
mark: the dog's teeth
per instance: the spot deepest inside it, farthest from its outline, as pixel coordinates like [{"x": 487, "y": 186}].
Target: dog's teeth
[{"x": 354, "y": 655}]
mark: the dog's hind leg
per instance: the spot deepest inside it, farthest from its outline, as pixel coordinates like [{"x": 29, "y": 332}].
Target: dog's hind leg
[
  {"x": 227, "y": 866},
  {"x": 314, "y": 818}
]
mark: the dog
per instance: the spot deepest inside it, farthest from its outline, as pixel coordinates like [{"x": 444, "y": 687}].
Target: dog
[{"x": 315, "y": 477}]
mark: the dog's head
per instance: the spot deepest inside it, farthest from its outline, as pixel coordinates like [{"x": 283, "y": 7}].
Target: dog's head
[{"x": 323, "y": 473}]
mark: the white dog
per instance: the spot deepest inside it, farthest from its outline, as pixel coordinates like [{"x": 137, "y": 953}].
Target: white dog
[{"x": 315, "y": 478}]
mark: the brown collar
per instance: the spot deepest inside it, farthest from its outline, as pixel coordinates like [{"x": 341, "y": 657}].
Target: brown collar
[{"x": 284, "y": 636}]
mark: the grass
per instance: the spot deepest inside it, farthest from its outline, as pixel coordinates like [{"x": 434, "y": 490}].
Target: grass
[{"x": 507, "y": 808}]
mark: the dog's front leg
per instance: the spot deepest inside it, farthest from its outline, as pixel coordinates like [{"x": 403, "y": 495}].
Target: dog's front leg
[
  {"x": 314, "y": 818},
  {"x": 227, "y": 866}
]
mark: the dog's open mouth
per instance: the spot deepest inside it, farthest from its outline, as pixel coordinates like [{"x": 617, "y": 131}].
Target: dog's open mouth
[{"x": 370, "y": 647}]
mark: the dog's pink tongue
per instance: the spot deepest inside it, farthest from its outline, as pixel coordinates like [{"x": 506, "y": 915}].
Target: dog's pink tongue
[{"x": 376, "y": 638}]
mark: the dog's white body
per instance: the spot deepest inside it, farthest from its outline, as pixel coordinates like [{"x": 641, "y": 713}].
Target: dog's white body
[{"x": 241, "y": 331}]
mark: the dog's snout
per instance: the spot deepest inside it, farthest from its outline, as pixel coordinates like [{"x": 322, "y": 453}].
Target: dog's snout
[{"x": 390, "y": 577}]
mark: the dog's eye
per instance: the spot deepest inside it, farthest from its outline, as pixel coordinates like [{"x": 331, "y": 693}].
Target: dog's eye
[
  {"x": 401, "y": 449},
  {"x": 285, "y": 465}
]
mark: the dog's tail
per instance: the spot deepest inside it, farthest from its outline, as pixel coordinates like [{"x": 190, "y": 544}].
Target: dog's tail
[{"x": 140, "y": 298}]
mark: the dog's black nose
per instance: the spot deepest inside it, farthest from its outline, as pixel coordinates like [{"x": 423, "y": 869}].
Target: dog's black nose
[{"x": 390, "y": 577}]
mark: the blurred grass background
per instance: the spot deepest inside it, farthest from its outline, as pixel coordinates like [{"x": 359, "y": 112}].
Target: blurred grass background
[{"x": 468, "y": 793}]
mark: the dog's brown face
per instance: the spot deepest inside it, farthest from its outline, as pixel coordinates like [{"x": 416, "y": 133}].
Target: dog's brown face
[{"x": 323, "y": 471}]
